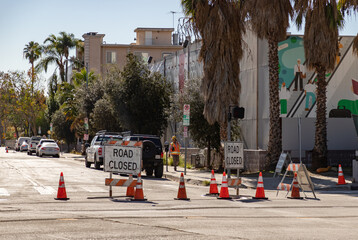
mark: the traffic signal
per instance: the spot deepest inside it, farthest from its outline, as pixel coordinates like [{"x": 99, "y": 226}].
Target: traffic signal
[{"x": 238, "y": 112}]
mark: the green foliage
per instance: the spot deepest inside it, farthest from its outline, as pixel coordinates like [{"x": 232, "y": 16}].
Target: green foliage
[
  {"x": 201, "y": 131},
  {"x": 141, "y": 101},
  {"x": 62, "y": 127}
]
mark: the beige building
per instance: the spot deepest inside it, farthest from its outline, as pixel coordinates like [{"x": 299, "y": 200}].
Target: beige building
[{"x": 152, "y": 44}]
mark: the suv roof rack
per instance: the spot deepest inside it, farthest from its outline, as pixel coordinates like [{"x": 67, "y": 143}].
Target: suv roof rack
[{"x": 105, "y": 132}]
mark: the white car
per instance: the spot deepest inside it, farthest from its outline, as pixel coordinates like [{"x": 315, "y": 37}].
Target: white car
[
  {"x": 24, "y": 146},
  {"x": 49, "y": 149},
  {"x": 41, "y": 142},
  {"x": 19, "y": 142}
]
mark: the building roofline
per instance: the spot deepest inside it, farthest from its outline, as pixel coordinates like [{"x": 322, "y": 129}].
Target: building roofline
[
  {"x": 141, "y": 29},
  {"x": 141, "y": 46}
]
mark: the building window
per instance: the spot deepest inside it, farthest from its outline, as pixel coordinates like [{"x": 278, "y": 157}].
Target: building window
[
  {"x": 111, "y": 57},
  {"x": 142, "y": 56}
]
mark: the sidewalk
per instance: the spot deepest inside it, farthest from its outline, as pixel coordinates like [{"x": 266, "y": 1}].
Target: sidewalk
[{"x": 202, "y": 177}]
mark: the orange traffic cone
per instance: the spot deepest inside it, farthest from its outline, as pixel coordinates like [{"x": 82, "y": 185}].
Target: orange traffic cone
[
  {"x": 139, "y": 196},
  {"x": 61, "y": 193},
  {"x": 224, "y": 191},
  {"x": 181, "y": 190},
  {"x": 6, "y": 150},
  {"x": 213, "y": 186},
  {"x": 260, "y": 191},
  {"x": 295, "y": 192},
  {"x": 130, "y": 188},
  {"x": 341, "y": 180}
]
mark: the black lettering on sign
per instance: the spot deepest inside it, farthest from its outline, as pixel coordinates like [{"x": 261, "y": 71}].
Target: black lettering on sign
[
  {"x": 111, "y": 163},
  {"x": 233, "y": 149},
  {"x": 122, "y": 153}
]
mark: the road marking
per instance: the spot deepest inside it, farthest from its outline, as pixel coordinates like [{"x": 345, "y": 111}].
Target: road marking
[
  {"x": 95, "y": 189},
  {"x": 45, "y": 190},
  {"x": 4, "y": 192}
]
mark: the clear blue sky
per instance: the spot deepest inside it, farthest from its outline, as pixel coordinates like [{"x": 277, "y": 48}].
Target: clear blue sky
[{"x": 22, "y": 21}]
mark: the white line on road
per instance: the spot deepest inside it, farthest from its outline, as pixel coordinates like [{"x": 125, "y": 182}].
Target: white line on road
[
  {"x": 45, "y": 190},
  {"x": 4, "y": 192}
]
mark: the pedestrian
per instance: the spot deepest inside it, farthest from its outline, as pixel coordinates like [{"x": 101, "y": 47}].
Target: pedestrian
[{"x": 175, "y": 151}]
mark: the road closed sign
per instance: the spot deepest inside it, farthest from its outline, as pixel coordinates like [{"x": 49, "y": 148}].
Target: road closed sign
[
  {"x": 234, "y": 155},
  {"x": 122, "y": 159}
]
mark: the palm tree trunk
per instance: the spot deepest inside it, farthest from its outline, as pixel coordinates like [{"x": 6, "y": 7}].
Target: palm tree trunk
[
  {"x": 223, "y": 138},
  {"x": 319, "y": 154},
  {"x": 32, "y": 78},
  {"x": 66, "y": 69},
  {"x": 275, "y": 137}
]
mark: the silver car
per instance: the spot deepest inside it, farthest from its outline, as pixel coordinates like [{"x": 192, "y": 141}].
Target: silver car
[
  {"x": 19, "y": 142},
  {"x": 49, "y": 149},
  {"x": 41, "y": 142},
  {"x": 24, "y": 146}
]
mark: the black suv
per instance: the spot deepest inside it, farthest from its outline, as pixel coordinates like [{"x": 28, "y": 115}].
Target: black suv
[{"x": 152, "y": 155}]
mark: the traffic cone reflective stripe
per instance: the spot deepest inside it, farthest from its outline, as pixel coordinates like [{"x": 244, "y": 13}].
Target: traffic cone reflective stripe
[
  {"x": 130, "y": 190},
  {"x": 295, "y": 192},
  {"x": 341, "y": 180},
  {"x": 213, "y": 186},
  {"x": 182, "y": 191},
  {"x": 139, "y": 196},
  {"x": 61, "y": 193},
  {"x": 260, "y": 191},
  {"x": 224, "y": 191}
]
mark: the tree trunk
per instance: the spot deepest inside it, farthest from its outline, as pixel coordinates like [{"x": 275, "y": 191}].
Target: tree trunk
[
  {"x": 32, "y": 78},
  {"x": 223, "y": 138},
  {"x": 275, "y": 137},
  {"x": 66, "y": 69},
  {"x": 62, "y": 73},
  {"x": 319, "y": 154}
]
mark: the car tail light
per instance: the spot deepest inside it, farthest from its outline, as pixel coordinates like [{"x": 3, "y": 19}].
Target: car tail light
[
  {"x": 31, "y": 145},
  {"x": 57, "y": 149},
  {"x": 100, "y": 151},
  {"x": 161, "y": 155},
  {"x": 43, "y": 148}
]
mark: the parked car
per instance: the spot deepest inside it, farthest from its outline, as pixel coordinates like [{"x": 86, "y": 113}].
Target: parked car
[
  {"x": 152, "y": 154},
  {"x": 32, "y": 144},
  {"x": 24, "y": 146},
  {"x": 49, "y": 149},
  {"x": 94, "y": 151},
  {"x": 41, "y": 142},
  {"x": 19, "y": 142}
]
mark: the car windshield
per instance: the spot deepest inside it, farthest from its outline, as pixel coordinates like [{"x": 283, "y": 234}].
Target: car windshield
[
  {"x": 50, "y": 144},
  {"x": 47, "y": 141},
  {"x": 108, "y": 138},
  {"x": 35, "y": 138}
]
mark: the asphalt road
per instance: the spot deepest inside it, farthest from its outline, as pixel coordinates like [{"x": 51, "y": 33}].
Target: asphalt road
[{"x": 28, "y": 186}]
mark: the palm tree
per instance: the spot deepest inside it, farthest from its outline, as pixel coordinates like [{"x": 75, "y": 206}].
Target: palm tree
[
  {"x": 321, "y": 47},
  {"x": 32, "y": 52},
  {"x": 57, "y": 51},
  {"x": 269, "y": 19},
  {"x": 220, "y": 26},
  {"x": 67, "y": 42}
]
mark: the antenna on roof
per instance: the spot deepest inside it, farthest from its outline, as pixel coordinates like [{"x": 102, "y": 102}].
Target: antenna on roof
[{"x": 172, "y": 12}]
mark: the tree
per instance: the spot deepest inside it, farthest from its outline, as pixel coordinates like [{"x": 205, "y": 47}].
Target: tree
[
  {"x": 202, "y": 133},
  {"x": 56, "y": 52},
  {"x": 220, "y": 25},
  {"x": 269, "y": 20},
  {"x": 321, "y": 47},
  {"x": 62, "y": 127},
  {"x": 32, "y": 52},
  {"x": 141, "y": 101}
]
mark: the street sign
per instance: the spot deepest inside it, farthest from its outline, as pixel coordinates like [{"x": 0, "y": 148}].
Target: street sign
[
  {"x": 39, "y": 130},
  {"x": 51, "y": 127},
  {"x": 122, "y": 159},
  {"x": 186, "y": 120},
  {"x": 186, "y": 115},
  {"x": 186, "y": 109},
  {"x": 86, "y": 123},
  {"x": 185, "y": 132},
  {"x": 85, "y": 137},
  {"x": 234, "y": 155},
  {"x": 281, "y": 161}
]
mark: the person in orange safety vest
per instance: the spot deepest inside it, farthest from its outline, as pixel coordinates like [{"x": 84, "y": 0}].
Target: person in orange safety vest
[{"x": 175, "y": 151}]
